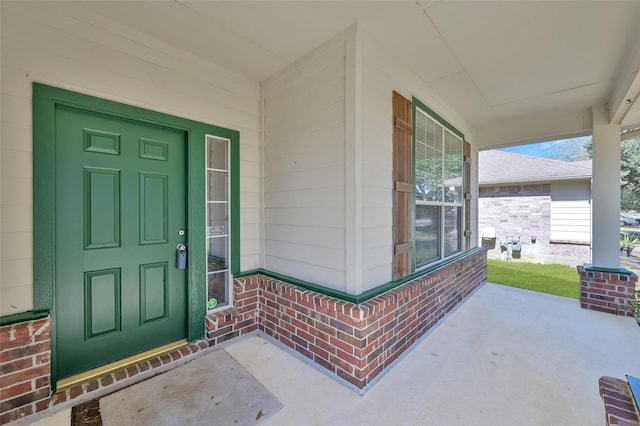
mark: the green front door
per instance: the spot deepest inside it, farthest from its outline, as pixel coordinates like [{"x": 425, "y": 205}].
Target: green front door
[{"x": 120, "y": 212}]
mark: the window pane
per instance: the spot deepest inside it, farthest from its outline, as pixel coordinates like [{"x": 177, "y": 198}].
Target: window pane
[
  {"x": 421, "y": 128},
  {"x": 421, "y": 184},
  {"x": 216, "y": 153},
  {"x": 428, "y": 159},
  {"x": 217, "y": 183},
  {"x": 452, "y": 227},
  {"x": 217, "y": 218},
  {"x": 217, "y": 290},
  {"x": 434, "y": 160},
  {"x": 427, "y": 234},
  {"x": 434, "y": 177},
  {"x": 217, "y": 254},
  {"x": 453, "y": 166}
]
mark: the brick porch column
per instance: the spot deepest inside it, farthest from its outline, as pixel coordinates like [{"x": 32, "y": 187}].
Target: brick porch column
[{"x": 608, "y": 291}]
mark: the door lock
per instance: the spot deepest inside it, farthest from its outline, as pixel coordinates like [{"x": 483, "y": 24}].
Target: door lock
[{"x": 181, "y": 256}]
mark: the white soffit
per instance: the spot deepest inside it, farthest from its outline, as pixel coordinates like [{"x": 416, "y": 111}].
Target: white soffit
[
  {"x": 494, "y": 62},
  {"x": 191, "y": 30},
  {"x": 522, "y": 50},
  {"x": 551, "y": 103},
  {"x": 464, "y": 96}
]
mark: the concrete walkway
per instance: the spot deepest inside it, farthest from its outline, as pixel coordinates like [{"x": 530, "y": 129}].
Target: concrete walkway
[{"x": 505, "y": 357}]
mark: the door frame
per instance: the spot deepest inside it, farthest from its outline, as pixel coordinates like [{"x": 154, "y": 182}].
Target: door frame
[{"x": 45, "y": 100}]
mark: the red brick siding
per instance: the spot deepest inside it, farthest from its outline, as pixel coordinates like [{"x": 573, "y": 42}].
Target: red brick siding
[
  {"x": 239, "y": 320},
  {"x": 619, "y": 406},
  {"x": 607, "y": 292},
  {"x": 353, "y": 342},
  {"x": 25, "y": 368}
]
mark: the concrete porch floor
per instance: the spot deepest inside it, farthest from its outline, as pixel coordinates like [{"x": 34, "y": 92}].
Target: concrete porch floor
[{"x": 505, "y": 357}]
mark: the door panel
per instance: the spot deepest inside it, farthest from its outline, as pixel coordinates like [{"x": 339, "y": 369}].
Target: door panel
[
  {"x": 101, "y": 208},
  {"x": 102, "y": 302},
  {"x": 154, "y": 208},
  {"x": 154, "y": 292},
  {"x": 120, "y": 200}
]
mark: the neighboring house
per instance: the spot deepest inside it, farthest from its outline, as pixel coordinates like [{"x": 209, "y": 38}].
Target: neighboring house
[
  {"x": 522, "y": 197},
  {"x": 179, "y": 174}
]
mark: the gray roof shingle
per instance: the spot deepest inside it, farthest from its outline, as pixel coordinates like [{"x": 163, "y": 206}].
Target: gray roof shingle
[{"x": 507, "y": 167}]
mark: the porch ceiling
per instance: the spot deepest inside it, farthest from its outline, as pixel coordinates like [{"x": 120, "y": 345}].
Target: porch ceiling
[{"x": 517, "y": 71}]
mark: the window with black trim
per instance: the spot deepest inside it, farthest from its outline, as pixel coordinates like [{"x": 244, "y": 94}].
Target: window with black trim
[{"x": 439, "y": 190}]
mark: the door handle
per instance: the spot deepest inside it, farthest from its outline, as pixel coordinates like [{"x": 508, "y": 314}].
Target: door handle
[{"x": 181, "y": 256}]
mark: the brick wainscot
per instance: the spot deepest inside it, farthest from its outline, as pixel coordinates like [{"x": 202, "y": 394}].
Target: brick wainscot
[
  {"x": 354, "y": 342},
  {"x": 607, "y": 291},
  {"x": 350, "y": 341},
  {"x": 25, "y": 369}
]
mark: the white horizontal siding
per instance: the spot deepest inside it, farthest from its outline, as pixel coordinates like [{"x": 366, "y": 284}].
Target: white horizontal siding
[
  {"x": 378, "y": 217},
  {"x": 305, "y": 140},
  {"x": 314, "y": 254},
  {"x": 304, "y": 168},
  {"x": 66, "y": 45},
  {"x": 314, "y": 197},
  {"x": 303, "y": 216},
  {"x": 306, "y": 121},
  {"x": 325, "y": 177},
  {"x": 332, "y": 238},
  {"x": 571, "y": 212},
  {"x": 309, "y": 272}
]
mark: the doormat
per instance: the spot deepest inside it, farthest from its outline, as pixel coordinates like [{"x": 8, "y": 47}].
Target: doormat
[{"x": 212, "y": 389}]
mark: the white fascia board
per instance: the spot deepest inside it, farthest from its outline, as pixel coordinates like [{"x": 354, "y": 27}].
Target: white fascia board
[
  {"x": 535, "y": 182},
  {"x": 628, "y": 86},
  {"x": 542, "y": 128},
  {"x": 630, "y": 135}
]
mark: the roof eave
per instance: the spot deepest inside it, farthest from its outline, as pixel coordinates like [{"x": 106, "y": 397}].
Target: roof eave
[{"x": 534, "y": 181}]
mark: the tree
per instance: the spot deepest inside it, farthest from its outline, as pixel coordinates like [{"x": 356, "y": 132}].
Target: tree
[
  {"x": 582, "y": 149},
  {"x": 630, "y": 161},
  {"x": 569, "y": 150}
]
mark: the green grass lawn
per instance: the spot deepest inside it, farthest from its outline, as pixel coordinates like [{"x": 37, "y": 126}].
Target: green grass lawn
[{"x": 561, "y": 280}]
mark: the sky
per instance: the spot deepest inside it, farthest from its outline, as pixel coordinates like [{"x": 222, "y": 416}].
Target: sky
[{"x": 543, "y": 149}]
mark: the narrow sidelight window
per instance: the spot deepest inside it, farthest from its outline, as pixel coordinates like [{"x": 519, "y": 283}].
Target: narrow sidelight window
[{"x": 218, "y": 280}]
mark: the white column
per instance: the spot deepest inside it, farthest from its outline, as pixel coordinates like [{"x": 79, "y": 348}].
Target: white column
[{"x": 606, "y": 190}]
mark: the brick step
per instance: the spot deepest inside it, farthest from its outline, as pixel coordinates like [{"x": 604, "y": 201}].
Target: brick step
[{"x": 619, "y": 405}]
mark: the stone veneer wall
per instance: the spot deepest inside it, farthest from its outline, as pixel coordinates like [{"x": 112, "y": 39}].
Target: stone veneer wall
[
  {"x": 355, "y": 342},
  {"x": 609, "y": 292}
]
